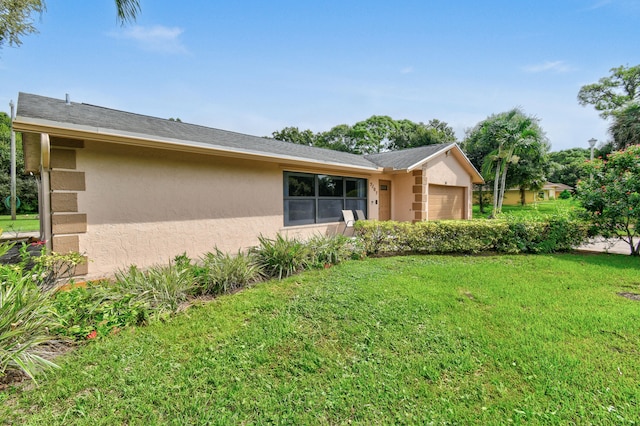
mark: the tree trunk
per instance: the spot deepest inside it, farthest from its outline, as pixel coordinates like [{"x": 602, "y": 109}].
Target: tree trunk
[
  {"x": 523, "y": 198},
  {"x": 496, "y": 193},
  {"x": 635, "y": 249},
  {"x": 503, "y": 183}
]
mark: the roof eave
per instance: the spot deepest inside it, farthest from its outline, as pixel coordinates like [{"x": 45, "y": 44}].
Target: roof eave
[{"x": 26, "y": 124}]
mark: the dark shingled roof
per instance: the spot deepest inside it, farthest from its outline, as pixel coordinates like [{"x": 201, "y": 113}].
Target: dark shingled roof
[
  {"x": 403, "y": 159},
  {"x": 105, "y": 119}
]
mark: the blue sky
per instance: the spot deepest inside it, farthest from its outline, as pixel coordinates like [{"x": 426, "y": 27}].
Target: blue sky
[{"x": 258, "y": 66}]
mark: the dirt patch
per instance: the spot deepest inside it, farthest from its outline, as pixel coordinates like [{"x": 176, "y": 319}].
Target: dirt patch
[{"x": 632, "y": 296}]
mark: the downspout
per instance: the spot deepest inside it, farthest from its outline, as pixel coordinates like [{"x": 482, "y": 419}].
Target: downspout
[{"x": 45, "y": 191}]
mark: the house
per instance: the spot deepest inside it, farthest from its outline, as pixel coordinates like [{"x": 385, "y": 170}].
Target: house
[
  {"x": 550, "y": 191},
  {"x": 125, "y": 188}
]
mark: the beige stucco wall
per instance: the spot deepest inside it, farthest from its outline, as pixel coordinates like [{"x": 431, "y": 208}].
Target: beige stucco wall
[
  {"x": 402, "y": 197},
  {"x": 144, "y": 206},
  {"x": 446, "y": 170}
]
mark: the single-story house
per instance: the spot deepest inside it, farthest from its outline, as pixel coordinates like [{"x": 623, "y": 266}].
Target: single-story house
[
  {"x": 550, "y": 191},
  {"x": 124, "y": 188}
]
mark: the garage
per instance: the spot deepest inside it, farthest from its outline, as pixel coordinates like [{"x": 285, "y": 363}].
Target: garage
[{"x": 446, "y": 202}]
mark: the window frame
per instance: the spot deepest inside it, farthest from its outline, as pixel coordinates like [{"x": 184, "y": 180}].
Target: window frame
[{"x": 317, "y": 199}]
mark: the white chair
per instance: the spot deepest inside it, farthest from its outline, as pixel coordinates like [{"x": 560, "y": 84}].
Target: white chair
[
  {"x": 349, "y": 220},
  {"x": 360, "y": 215}
]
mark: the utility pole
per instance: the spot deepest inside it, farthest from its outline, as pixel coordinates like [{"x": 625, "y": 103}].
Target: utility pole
[{"x": 13, "y": 164}]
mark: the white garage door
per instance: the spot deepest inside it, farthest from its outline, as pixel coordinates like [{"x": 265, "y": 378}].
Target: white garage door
[{"x": 445, "y": 202}]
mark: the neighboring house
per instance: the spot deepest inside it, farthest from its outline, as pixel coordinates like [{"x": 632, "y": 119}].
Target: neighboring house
[
  {"x": 513, "y": 196},
  {"x": 550, "y": 191},
  {"x": 124, "y": 188}
]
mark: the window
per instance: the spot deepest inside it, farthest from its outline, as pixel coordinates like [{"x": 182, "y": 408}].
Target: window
[{"x": 310, "y": 198}]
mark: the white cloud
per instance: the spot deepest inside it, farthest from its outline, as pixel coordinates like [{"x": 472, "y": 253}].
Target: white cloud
[
  {"x": 406, "y": 70},
  {"x": 157, "y": 38},
  {"x": 548, "y": 66},
  {"x": 599, "y": 4}
]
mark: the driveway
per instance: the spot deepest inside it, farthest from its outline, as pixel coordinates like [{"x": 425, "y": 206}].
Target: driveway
[{"x": 601, "y": 245}]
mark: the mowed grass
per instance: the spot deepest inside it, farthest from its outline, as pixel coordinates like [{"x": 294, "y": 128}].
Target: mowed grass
[
  {"x": 23, "y": 223},
  {"x": 539, "y": 209},
  {"x": 398, "y": 340}
]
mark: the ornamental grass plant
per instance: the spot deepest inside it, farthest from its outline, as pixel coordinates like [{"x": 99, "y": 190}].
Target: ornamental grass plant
[
  {"x": 221, "y": 272},
  {"x": 281, "y": 257},
  {"x": 162, "y": 288},
  {"x": 26, "y": 316}
]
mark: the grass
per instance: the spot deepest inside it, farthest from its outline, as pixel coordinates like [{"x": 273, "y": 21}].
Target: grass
[
  {"x": 538, "y": 209},
  {"x": 415, "y": 339},
  {"x": 23, "y": 223}
]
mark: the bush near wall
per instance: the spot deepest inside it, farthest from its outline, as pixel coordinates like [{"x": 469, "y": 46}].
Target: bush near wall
[{"x": 502, "y": 235}]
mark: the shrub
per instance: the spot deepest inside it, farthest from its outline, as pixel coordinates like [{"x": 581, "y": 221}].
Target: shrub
[
  {"x": 332, "y": 249},
  {"x": 504, "y": 235},
  {"x": 162, "y": 288},
  {"x": 281, "y": 257},
  {"x": 222, "y": 273},
  {"x": 565, "y": 195},
  {"x": 98, "y": 308},
  {"x": 25, "y": 317}
]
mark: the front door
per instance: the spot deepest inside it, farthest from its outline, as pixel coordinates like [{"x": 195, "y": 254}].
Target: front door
[{"x": 384, "y": 208}]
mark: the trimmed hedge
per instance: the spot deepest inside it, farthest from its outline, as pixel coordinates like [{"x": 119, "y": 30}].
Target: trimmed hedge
[{"x": 471, "y": 236}]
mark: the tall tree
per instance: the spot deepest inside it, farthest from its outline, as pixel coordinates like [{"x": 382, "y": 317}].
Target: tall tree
[
  {"x": 375, "y": 134},
  {"x": 505, "y": 136},
  {"x": 567, "y": 166},
  {"x": 295, "y": 135},
  {"x": 339, "y": 138},
  {"x": 17, "y": 17},
  {"x": 532, "y": 168},
  {"x": 613, "y": 92},
  {"x": 477, "y": 145},
  {"x": 625, "y": 128},
  {"x": 411, "y": 135}
]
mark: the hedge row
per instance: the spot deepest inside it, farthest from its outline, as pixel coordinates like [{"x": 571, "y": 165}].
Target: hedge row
[{"x": 470, "y": 236}]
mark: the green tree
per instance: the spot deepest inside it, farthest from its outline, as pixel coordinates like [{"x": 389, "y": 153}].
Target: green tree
[
  {"x": 507, "y": 135},
  {"x": 625, "y": 128},
  {"x": 477, "y": 145},
  {"x": 17, "y": 17},
  {"x": 373, "y": 134},
  {"x": 532, "y": 168},
  {"x": 611, "y": 197},
  {"x": 26, "y": 186},
  {"x": 409, "y": 134},
  {"x": 613, "y": 92},
  {"x": 339, "y": 138},
  {"x": 567, "y": 166},
  {"x": 295, "y": 135}
]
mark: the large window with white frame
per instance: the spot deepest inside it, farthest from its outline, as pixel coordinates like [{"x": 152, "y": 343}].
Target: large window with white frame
[{"x": 313, "y": 198}]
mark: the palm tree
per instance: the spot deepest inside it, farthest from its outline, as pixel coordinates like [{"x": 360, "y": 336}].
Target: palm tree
[
  {"x": 16, "y": 17},
  {"x": 513, "y": 133},
  {"x": 127, "y": 10}
]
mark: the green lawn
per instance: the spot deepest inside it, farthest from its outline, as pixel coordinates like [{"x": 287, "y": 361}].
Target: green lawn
[
  {"x": 23, "y": 223},
  {"x": 415, "y": 339},
  {"x": 539, "y": 209}
]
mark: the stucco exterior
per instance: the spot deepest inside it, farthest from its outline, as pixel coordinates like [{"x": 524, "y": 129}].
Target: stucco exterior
[
  {"x": 446, "y": 169},
  {"x": 124, "y": 196}
]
